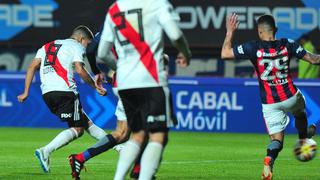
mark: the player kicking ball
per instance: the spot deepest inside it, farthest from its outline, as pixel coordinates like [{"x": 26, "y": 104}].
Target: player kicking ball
[
  {"x": 121, "y": 133},
  {"x": 58, "y": 60},
  {"x": 270, "y": 58}
]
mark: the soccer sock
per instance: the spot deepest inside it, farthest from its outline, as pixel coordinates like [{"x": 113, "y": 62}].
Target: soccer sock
[
  {"x": 96, "y": 132},
  {"x": 143, "y": 146},
  {"x": 274, "y": 148},
  {"x": 302, "y": 125},
  {"x": 101, "y": 146},
  {"x": 63, "y": 138},
  {"x": 150, "y": 160},
  {"x": 127, "y": 157}
]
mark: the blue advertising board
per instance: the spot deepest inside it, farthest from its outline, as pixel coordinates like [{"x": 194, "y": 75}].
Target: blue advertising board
[{"x": 200, "y": 104}]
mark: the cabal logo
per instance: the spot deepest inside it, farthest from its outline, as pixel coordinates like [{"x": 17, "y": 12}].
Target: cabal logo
[{"x": 15, "y": 18}]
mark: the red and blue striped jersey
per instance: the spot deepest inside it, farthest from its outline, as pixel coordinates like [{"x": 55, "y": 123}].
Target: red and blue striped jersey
[{"x": 271, "y": 60}]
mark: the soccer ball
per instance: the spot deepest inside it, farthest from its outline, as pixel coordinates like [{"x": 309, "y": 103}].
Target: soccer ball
[{"x": 305, "y": 150}]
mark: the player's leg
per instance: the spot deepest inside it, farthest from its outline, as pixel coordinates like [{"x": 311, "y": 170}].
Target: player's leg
[
  {"x": 129, "y": 153},
  {"x": 157, "y": 124},
  {"x": 312, "y": 129},
  {"x": 66, "y": 106},
  {"x": 296, "y": 105},
  {"x": 137, "y": 164},
  {"x": 105, "y": 143},
  {"x": 297, "y": 108},
  {"x": 276, "y": 121},
  {"x": 133, "y": 100},
  {"x": 122, "y": 127},
  {"x": 94, "y": 130}
]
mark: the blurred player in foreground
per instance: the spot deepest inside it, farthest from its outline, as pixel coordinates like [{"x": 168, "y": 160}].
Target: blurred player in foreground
[
  {"x": 121, "y": 132},
  {"x": 279, "y": 96},
  {"x": 57, "y": 61},
  {"x": 135, "y": 27}
]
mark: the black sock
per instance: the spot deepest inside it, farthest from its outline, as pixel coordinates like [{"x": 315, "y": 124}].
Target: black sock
[
  {"x": 274, "y": 148},
  {"x": 302, "y": 125},
  {"x": 101, "y": 146}
]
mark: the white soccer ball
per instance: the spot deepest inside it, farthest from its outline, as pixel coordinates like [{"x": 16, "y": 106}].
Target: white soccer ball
[{"x": 305, "y": 150}]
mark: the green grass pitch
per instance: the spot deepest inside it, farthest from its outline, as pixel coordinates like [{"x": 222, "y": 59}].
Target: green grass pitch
[{"x": 187, "y": 156}]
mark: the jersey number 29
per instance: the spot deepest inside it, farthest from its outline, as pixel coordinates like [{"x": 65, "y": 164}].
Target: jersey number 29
[{"x": 279, "y": 64}]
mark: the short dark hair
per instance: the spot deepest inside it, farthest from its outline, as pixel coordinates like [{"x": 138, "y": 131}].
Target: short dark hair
[
  {"x": 268, "y": 20},
  {"x": 84, "y": 31}
]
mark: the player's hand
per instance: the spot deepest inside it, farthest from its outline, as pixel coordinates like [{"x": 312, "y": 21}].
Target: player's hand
[
  {"x": 232, "y": 23},
  {"x": 22, "y": 97},
  {"x": 182, "y": 61},
  {"x": 101, "y": 91},
  {"x": 99, "y": 79},
  {"x": 166, "y": 59}
]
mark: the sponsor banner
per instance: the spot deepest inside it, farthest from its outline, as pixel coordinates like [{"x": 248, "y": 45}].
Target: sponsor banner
[
  {"x": 204, "y": 21},
  {"x": 200, "y": 104},
  {"x": 34, "y": 22}
]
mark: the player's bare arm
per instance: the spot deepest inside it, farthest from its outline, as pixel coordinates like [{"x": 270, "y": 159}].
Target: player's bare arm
[
  {"x": 232, "y": 25},
  {"x": 33, "y": 67},
  {"x": 81, "y": 70},
  {"x": 312, "y": 58},
  {"x": 104, "y": 53}
]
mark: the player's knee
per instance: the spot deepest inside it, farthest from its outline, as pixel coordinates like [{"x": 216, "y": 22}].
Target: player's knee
[
  {"x": 79, "y": 131},
  {"x": 139, "y": 137},
  {"x": 159, "y": 137}
]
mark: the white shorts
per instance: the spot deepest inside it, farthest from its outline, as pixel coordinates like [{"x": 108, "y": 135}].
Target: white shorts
[
  {"x": 276, "y": 115},
  {"x": 120, "y": 113}
]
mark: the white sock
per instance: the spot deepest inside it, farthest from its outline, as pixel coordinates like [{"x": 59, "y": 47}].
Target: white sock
[
  {"x": 150, "y": 160},
  {"x": 127, "y": 156},
  {"x": 63, "y": 138},
  {"x": 96, "y": 132}
]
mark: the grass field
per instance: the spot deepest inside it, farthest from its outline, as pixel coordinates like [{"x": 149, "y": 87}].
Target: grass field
[{"x": 188, "y": 156}]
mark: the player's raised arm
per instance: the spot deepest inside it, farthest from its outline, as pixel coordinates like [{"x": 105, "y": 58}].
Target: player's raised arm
[
  {"x": 33, "y": 67},
  {"x": 232, "y": 25},
  {"x": 312, "y": 58}
]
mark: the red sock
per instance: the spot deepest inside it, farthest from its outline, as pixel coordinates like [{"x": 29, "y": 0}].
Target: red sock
[{"x": 80, "y": 157}]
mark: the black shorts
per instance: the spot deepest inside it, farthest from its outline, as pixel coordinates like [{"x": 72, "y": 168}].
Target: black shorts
[
  {"x": 67, "y": 106},
  {"x": 148, "y": 109}
]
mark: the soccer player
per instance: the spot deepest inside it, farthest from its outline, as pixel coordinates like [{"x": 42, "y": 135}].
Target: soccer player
[
  {"x": 270, "y": 58},
  {"x": 122, "y": 131},
  {"x": 57, "y": 61},
  {"x": 135, "y": 28}
]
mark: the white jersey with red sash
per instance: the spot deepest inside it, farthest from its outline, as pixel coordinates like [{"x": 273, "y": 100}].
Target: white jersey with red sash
[
  {"x": 57, "y": 64},
  {"x": 139, "y": 47}
]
